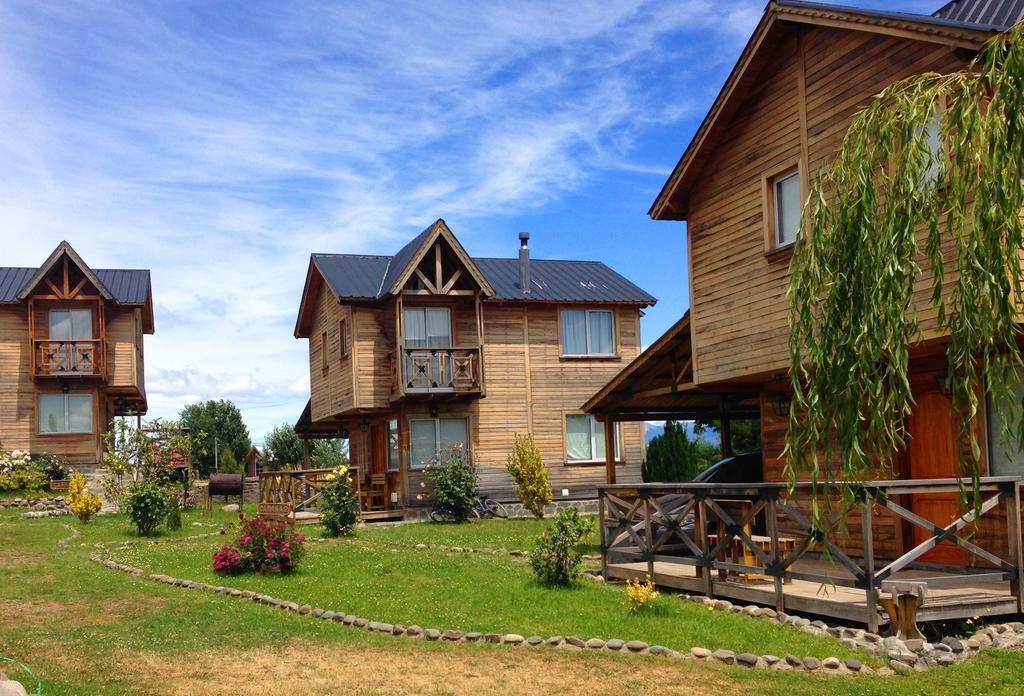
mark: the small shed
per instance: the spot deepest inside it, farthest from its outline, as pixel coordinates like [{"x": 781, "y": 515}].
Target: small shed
[{"x": 253, "y": 463}]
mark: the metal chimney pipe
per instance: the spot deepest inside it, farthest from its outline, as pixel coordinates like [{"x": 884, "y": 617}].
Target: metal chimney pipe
[{"x": 524, "y": 262}]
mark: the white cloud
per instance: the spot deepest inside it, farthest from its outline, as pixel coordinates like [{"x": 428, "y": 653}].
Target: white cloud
[{"x": 220, "y": 150}]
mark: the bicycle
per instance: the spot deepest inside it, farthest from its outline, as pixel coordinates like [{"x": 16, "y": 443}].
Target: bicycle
[{"x": 489, "y": 508}]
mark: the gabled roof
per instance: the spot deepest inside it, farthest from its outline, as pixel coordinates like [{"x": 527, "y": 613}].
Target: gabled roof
[
  {"x": 780, "y": 17},
  {"x": 409, "y": 257},
  {"x": 362, "y": 278},
  {"x": 122, "y": 286}
]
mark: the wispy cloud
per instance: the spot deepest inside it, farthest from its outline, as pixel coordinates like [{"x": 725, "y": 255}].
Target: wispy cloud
[{"x": 219, "y": 145}]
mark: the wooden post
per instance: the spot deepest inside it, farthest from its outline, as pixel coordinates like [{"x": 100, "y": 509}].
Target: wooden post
[
  {"x": 601, "y": 502},
  {"x": 1013, "y": 531},
  {"x": 649, "y": 537},
  {"x": 305, "y": 453},
  {"x": 726, "y": 433},
  {"x": 702, "y": 536},
  {"x": 772, "y": 524},
  {"x": 609, "y": 451},
  {"x": 867, "y": 532}
]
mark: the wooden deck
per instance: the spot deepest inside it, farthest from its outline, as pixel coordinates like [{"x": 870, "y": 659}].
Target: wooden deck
[
  {"x": 834, "y": 601},
  {"x": 701, "y": 538}
]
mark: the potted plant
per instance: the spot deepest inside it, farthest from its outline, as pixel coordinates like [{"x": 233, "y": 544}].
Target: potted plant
[{"x": 56, "y": 472}]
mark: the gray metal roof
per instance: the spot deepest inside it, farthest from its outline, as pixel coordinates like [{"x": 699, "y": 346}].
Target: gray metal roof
[
  {"x": 996, "y": 14},
  {"x": 359, "y": 277},
  {"x": 128, "y": 286},
  {"x": 400, "y": 260}
]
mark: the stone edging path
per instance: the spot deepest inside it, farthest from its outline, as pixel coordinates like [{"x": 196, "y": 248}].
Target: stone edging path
[{"x": 905, "y": 656}]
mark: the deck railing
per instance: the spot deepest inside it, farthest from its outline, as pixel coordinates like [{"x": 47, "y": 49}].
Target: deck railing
[
  {"x": 285, "y": 492},
  {"x": 437, "y": 371},
  {"x": 711, "y": 526},
  {"x": 80, "y": 357}
]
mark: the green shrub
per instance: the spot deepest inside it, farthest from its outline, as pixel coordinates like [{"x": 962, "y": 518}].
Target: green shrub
[
  {"x": 672, "y": 456},
  {"x": 527, "y": 469},
  {"x": 452, "y": 479},
  {"x": 227, "y": 462},
  {"x": 146, "y": 506},
  {"x": 19, "y": 473},
  {"x": 555, "y": 559},
  {"x": 339, "y": 504},
  {"x": 173, "y": 520}
]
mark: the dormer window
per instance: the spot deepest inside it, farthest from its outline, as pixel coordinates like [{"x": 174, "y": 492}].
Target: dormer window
[
  {"x": 588, "y": 332},
  {"x": 70, "y": 324}
]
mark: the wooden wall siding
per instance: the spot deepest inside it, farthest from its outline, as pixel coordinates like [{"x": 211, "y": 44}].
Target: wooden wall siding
[
  {"x": 331, "y": 387},
  {"x": 124, "y": 348},
  {"x": 374, "y": 340},
  {"x": 17, "y": 391},
  {"x": 739, "y": 294}
]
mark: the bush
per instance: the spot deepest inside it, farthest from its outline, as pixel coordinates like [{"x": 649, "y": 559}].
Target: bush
[
  {"x": 555, "y": 559},
  {"x": 527, "y": 469},
  {"x": 82, "y": 502},
  {"x": 53, "y": 467},
  {"x": 19, "y": 473},
  {"x": 452, "y": 479},
  {"x": 146, "y": 506},
  {"x": 339, "y": 504},
  {"x": 227, "y": 462},
  {"x": 262, "y": 547},
  {"x": 640, "y": 593},
  {"x": 173, "y": 520}
]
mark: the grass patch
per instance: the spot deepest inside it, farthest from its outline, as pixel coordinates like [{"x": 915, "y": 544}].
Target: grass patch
[{"x": 496, "y": 534}]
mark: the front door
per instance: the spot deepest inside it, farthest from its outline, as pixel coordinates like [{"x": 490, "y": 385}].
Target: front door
[{"x": 932, "y": 454}]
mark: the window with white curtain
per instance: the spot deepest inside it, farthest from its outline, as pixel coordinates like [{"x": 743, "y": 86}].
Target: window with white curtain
[
  {"x": 65, "y": 413},
  {"x": 432, "y": 437},
  {"x": 588, "y": 332},
  {"x": 70, "y": 324},
  {"x": 427, "y": 327},
  {"x": 932, "y": 131},
  {"x": 584, "y": 439}
]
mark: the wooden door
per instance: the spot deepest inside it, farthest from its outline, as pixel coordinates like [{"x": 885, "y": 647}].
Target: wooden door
[
  {"x": 932, "y": 454},
  {"x": 379, "y": 466}
]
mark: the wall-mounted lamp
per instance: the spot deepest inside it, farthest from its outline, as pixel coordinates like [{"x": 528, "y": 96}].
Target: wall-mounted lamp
[
  {"x": 343, "y": 433},
  {"x": 434, "y": 410},
  {"x": 781, "y": 401},
  {"x": 945, "y": 383},
  {"x": 64, "y": 387},
  {"x": 364, "y": 426}
]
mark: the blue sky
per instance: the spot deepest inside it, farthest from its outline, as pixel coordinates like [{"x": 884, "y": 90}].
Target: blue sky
[{"x": 219, "y": 143}]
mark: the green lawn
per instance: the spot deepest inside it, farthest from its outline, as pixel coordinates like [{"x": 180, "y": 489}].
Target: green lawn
[{"x": 85, "y": 629}]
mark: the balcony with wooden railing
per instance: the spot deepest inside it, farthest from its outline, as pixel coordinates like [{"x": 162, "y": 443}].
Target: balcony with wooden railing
[
  {"x": 69, "y": 358},
  {"x": 437, "y": 371}
]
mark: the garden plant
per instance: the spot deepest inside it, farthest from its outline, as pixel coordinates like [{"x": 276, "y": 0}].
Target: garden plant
[{"x": 526, "y": 467}]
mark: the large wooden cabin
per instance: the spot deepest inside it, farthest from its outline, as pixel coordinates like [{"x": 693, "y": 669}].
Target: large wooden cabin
[
  {"x": 71, "y": 354},
  {"x": 411, "y": 353},
  {"x": 777, "y": 121}
]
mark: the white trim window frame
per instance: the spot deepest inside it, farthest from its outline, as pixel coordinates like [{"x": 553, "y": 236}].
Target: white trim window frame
[
  {"x": 438, "y": 445},
  {"x": 784, "y": 209},
  {"x": 588, "y": 336},
  {"x": 595, "y": 440}
]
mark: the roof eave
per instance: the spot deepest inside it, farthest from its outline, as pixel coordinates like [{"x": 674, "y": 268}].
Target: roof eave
[{"x": 666, "y": 205}]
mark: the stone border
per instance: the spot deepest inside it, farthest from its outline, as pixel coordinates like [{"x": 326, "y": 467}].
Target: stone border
[
  {"x": 904, "y": 657},
  {"x": 63, "y": 543},
  {"x": 41, "y": 503},
  {"x": 830, "y": 665}
]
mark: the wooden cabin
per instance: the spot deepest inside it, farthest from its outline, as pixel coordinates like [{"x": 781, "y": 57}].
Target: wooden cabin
[
  {"x": 71, "y": 354},
  {"x": 778, "y": 120},
  {"x": 412, "y": 353}
]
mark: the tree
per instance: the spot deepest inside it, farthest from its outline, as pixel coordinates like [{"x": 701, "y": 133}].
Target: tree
[
  {"x": 745, "y": 432},
  {"x": 220, "y": 423},
  {"x": 526, "y": 467},
  {"x": 674, "y": 457},
  {"x": 282, "y": 447},
  {"x": 890, "y": 212},
  {"x": 328, "y": 454}
]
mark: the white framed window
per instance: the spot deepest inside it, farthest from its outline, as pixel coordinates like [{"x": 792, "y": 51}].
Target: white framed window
[
  {"x": 70, "y": 324},
  {"x": 394, "y": 459},
  {"x": 786, "y": 207},
  {"x": 932, "y": 132},
  {"x": 588, "y": 332},
  {"x": 65, "y": 413},
  {"x": 431, "y": 437},
  {"x": 323, "y": 350},
  {"x": 1005, "y": 457},
  {"x": 427, "y": 327},
  {"x": 584, "y": 440}
]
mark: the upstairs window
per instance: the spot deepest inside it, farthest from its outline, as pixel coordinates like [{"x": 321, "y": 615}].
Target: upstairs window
[
  {"x": 588, "y": 332},
  {"x": 427, "y": 327},
  {"x": 343, "y": 339},
  {"x": 932, "y": 132},
  {"x": 323, "y": 350},
  {"x": 65, "y": 413},
  {"x": 785, "y": 200},
  {"x": 70, "y": 324}
]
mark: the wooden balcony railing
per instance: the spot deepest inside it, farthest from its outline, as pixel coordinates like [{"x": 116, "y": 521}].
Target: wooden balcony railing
[
  {"x": 437, "y": 371},
  {"x": 80, "y": 357}
]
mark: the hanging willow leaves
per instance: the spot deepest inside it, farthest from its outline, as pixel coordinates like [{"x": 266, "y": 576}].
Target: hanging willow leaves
[{"x": 891, "y": 213}]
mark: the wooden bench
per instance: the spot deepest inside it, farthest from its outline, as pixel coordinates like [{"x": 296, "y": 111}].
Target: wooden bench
[{"x": 737, "y": 552}]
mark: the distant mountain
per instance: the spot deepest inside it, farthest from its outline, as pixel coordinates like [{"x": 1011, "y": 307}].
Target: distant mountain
[{"x": 653, "y": 430}]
